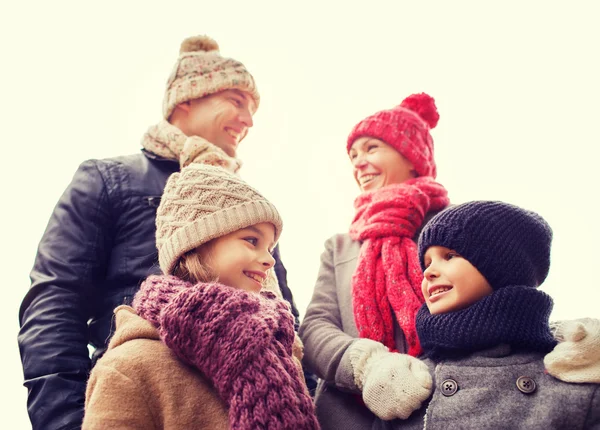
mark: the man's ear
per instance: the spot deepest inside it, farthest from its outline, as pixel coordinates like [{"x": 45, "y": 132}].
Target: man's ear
[{"x": 185, "y": 107}]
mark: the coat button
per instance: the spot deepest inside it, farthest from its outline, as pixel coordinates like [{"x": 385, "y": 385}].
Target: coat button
[
  {"x": 526, "y": 385},
  {"x": 449, "y": 387}
]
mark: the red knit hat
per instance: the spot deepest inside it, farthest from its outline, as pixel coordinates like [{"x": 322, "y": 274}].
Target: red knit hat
[{"x": 406, "y": 129}]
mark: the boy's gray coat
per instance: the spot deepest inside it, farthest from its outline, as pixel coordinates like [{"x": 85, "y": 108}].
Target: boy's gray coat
[{"x": 487, "y": 396}]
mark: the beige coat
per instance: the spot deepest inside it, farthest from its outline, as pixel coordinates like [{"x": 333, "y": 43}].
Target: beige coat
[{"x": 140, "y": 384}]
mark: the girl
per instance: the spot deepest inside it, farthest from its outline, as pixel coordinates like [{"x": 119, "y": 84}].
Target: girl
[
  {"x": 485, "y": 326},
  {"x": 203, "y": 347}
]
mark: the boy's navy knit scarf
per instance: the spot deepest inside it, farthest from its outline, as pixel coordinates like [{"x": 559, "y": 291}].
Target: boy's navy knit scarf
[{"x": 514, "y": 315}]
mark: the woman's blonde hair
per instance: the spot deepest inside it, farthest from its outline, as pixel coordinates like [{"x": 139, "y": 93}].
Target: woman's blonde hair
[{"x": 194, "y": 265}]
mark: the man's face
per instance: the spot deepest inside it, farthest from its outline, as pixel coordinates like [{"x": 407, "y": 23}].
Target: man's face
[{"x": 222, "y": 118}]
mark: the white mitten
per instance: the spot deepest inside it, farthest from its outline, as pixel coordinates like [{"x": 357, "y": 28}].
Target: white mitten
[
  {"x": 393, "y": 385},
  {"x": 577, "y": 357}
]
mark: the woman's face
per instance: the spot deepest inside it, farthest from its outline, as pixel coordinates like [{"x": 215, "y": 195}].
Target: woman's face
[{"x": 376, "y": 164}]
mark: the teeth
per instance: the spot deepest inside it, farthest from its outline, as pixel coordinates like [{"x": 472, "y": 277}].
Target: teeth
[
  {"x": 233, "y": 133},
  {"x": 366, "y": 178},
  {"x": 254, "y": 276},
  {"x": 440, "y": 291}
]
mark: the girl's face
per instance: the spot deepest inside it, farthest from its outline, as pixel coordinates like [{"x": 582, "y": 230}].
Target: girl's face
[
  {"x": 450, "y": 282},
  {"x": 241, "y": 259},
  {"x": 376, "y": 164}
]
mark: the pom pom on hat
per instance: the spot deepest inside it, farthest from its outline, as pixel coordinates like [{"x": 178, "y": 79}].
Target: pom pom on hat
[
  {"x": 198, "y": 43},
  {"x": 424, "y": 106},
  {"x": 406, "y": 129}
]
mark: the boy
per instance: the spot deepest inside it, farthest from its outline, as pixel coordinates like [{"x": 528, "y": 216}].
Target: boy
[{"x": 484, "y": 329}]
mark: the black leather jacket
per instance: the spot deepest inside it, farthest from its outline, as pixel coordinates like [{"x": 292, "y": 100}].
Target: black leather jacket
[{"x": 97, "y": 248}]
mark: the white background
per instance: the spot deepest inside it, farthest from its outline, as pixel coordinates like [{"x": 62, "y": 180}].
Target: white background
[{"x": 516, "y": 84}]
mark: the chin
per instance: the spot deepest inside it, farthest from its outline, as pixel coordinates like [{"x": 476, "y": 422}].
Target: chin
[{"x": 438, "y": 310}]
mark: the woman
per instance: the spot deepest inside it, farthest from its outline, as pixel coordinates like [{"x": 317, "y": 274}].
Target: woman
[
  {"x": 359, "y": 329},
  {"x": 367, "y": 293}
]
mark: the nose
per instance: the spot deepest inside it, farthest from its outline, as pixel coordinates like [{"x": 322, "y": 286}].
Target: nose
[
  {"x": 359, "y": 162},
  {"x": 267, "y": 260},
  {"x": 245, "y": 117},
  {"x": 430, "y": 272}
]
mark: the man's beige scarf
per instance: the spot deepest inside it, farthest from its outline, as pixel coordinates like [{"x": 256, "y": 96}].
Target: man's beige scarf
[{"x": 166, "y": 140}]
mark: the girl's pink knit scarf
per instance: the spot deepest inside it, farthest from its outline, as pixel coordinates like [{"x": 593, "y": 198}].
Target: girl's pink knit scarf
[
  {"x": 388, "y": 275},
  {"x": 241, "y": 342}
]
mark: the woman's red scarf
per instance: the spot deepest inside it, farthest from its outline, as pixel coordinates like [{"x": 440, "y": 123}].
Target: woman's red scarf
[{"x": 388, "y": 275}]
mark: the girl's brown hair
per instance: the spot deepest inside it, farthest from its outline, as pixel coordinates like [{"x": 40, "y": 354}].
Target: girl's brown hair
[{"x": 194, "y": 265}]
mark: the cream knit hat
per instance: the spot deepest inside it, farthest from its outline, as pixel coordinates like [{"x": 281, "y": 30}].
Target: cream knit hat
[
  {"x": 200, "y": 70},
  {"x": 204, "y": 202}
]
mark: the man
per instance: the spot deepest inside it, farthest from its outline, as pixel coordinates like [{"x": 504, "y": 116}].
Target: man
[{"x": 100, "y": 241}]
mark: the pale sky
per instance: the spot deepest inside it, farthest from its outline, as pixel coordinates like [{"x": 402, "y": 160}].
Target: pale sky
[{"x": 516, "y": 84}]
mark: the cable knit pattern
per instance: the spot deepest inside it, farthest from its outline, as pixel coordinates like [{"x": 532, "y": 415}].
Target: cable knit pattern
[
  {"x": 513, "y": 315},
  {"x": 201, "y": 203},
  {"x": 388, "y": 275},
  {"x": 240, "y": 341},
  {"x": 166, "y": 140}
]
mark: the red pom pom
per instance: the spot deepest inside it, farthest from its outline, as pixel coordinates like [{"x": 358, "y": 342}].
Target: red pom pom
[{"x": 424, "y": 106}]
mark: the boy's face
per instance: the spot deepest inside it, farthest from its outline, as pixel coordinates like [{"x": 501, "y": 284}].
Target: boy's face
[
  {"x": 241, "y": 259},
  {"x": 450, "y": 282}
]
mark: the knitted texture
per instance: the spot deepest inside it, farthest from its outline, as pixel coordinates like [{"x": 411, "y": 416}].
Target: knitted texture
[
  {"x": 241, "y": 342},
  {"x": 169, "y": 142},
  {"x": 577, "y": 357},
  {"x": 388, "y": 276},
  {"x": 507, "y": 244},
  {"x": 393, "y": 385},
  {"x": 204, "y": 202},
  {"x": 514, "y": 315},
  {"x": 406, "y": 128},
  {"x": 200, "y": 70}
]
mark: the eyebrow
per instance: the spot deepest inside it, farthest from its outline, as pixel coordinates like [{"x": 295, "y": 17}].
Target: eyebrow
[
  {"x": 363, "y": 144},
  {"x": 258, "y": 232},
  {"x": 247, "y": 98}
]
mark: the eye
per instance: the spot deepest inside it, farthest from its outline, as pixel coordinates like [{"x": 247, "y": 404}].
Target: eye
[
  {"x": 371, "y": 147},
  {"x": 451, "y": 254},
  {"x": 251, "y": 240},
  {"x": 236, "y": 101}
]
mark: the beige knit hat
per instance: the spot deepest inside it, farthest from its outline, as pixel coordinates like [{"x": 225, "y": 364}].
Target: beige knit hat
[
  {"x": 200, "y": 70},
  {"x": 204, "y": 202}
]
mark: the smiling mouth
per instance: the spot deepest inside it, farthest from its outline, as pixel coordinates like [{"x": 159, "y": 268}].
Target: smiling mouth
[
  {"x": 365, "y": 179},
  {"x": 234, "y": 134},
  {"x": 255, "y": 277},
  {"x": 439, "y": 290}
]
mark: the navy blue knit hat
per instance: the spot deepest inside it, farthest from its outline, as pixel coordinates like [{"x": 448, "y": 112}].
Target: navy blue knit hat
[{"x": 507, "y": 244}]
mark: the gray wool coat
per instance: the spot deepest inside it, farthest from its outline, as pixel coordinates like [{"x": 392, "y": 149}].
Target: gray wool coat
[
  {"x": 327, "y": 330},
  {"x": 500, "y": 389}
]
